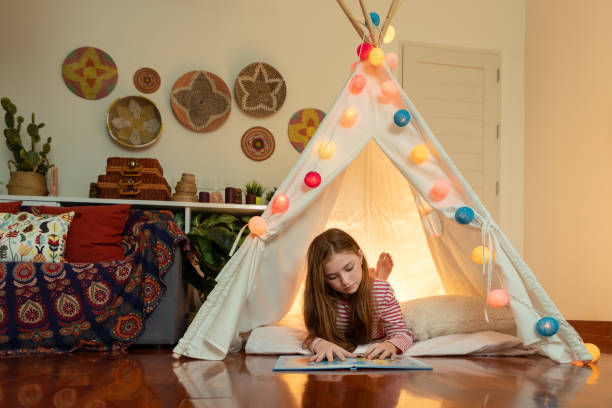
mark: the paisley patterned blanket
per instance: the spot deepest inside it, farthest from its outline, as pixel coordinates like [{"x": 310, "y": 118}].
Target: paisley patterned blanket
[{"x": 62, "y": 307}]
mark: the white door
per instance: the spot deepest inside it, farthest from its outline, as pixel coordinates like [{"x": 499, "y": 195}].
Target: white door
[{"x": 456, "y": 90}]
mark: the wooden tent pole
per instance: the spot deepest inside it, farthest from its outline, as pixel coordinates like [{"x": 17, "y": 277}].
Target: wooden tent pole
[
  {"x": 352, "y": 19},
  {"x": 369, "y": 24},
  {"x": 392, "y": 10}
]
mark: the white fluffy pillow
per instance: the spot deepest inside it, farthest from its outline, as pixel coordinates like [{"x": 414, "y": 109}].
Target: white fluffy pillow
[{"x": 449, "y": 314}]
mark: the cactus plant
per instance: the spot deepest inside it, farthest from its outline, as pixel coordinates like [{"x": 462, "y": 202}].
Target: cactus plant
[{"x": 25, "y": 160}]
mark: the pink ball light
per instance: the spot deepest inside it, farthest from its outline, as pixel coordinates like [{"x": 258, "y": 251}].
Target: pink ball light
[
  {"x": 363, "y": 50},
  {"x": 358, "y": 83},
  {"x": 257, "y": 225},
  {"x": 391, "y": 59},
  {"x": 388, "y": 88},
  {"x": 440, "y": 190},
  {"x": 498, "y": 298},
  {"x": 312, "y": 179},
  {"x": 280, "y": 203}
]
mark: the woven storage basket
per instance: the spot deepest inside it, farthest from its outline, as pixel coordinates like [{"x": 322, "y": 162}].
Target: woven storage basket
[
  {"x": 144, "y": 187},
  {"x": 133, "y": 166}
]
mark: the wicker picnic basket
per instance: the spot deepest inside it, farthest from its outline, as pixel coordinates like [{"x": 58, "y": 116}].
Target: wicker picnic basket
[{"x": 134, "y": 179}]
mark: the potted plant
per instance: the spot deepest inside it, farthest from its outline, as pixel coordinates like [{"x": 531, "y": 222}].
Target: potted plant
[
  {"x": 30, "y": 167},
  {"x": 254, "y": 191},
  {"x": 211, "y": 238},
  {"x": 270, "y": 194}
]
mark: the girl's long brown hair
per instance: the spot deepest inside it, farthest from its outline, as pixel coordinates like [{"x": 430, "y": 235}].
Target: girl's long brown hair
[{"x": 320, "y": 300}]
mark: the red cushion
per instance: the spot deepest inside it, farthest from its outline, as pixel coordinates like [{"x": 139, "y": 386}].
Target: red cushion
[
  {"x": 10, "y": 207},
  {"x": 95, "y": 233}
]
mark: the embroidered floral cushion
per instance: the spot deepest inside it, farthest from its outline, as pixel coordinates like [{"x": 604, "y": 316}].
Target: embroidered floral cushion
[{"x": 25, "y": 237}]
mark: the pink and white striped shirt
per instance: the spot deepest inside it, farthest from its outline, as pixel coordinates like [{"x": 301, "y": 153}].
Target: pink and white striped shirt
[{"x": 388, "y": 322}]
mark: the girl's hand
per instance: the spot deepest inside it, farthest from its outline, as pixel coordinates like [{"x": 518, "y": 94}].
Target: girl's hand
[
  {"x": 381, "y": 350},
  {"x": 325, "y": 349}
]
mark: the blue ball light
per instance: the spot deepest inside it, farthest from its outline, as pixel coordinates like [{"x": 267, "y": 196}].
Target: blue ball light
[
  {"x": 547, "y": 326},
  {"x": 464, "y": 215},
  {"x": 375, "y": 18},
  {"x": 401, "y": 117}
]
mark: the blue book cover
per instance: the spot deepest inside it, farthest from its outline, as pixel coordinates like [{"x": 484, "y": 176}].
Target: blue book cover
[{"x": 301, "y": 362}]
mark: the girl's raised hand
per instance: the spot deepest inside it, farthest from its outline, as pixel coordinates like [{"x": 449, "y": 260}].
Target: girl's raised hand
[
  {"x": 326, "y": 349},
  {"x": 381, "y": 351}
]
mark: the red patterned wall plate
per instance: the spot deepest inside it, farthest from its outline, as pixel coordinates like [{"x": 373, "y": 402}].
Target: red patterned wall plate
[
  {"x": 147, "y": 80},
  {"x": 90, "y": 73},
  {"x": 201, "y": 101},
  {"x": 260, "y": 90},
  {"x": 303, "y": 125},
  {"x": 257, "y": 143}
]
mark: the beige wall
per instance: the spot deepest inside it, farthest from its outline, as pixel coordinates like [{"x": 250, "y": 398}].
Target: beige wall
[
  {"x": 568, "y": 152},
  {"x": 309, "y": 42}
]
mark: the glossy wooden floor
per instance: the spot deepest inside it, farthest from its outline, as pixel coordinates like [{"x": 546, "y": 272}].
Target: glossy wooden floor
[{"x": 151, "y": 378}]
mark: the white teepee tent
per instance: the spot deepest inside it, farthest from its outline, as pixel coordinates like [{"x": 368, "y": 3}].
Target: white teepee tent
[{"x": 362, "y": 193}]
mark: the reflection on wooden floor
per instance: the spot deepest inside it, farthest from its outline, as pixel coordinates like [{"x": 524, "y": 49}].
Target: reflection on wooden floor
[{"x": 151, "y": 378}]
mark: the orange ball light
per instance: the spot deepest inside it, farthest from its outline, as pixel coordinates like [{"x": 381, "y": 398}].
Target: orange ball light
[
  {"x": 327, "y": 148},
  {"x": 479, "y": 256},
  {"x": 419, "y": 154},
  {"x": 498, "y": 298},
  {"x": 354, "y": 65},
  {"x": 376, "y": 57},
  {"x": 391, "y": 59},
  {"x": 594, "y": 350},
  {"x": 257, "y": 225},
  {"x": 280, "y": 203},
  {"x": 349, "y": 116},
  {"x": 388, "y": 88},
  {"x": 358, "y": 83}
]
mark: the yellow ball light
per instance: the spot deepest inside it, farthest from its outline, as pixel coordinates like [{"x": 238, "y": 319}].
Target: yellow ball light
[
  {"x": 390, "y": 35},
  {"x": 594, "y": 350},
  {"x": 349, "y": 116},
  {"x": 327, "y": 148},
  {"x": 257, "y": 225},
  {"x": 419, "y": 153},
  {"x": 479, "y": 257},
  {"x": 377, "y": 56}
]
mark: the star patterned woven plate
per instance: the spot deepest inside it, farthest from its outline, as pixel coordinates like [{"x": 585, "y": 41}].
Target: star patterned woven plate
[
  {"x": 90, "y": 73},
  {"x": 134, "y": 121},
  {"x": 260, "y": 90},
  {"x": 257, "y": 143},
  {"x": 201, "y": 101}
]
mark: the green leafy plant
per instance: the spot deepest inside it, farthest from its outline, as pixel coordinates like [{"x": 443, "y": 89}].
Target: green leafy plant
[
  {"x": 25, "y": 160},
  {"x": 211, "y": 238},
  {"x": 270, "y": 194},
  {"x": 254, "y": 188}
]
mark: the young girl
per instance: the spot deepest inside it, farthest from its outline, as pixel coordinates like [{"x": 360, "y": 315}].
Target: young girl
[{"x": 344, "y": 306}]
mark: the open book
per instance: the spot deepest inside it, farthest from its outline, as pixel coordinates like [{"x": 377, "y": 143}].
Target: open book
[{"x": 301, "y": 362}]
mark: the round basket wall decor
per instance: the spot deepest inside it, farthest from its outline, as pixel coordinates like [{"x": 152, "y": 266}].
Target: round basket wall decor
[
  {"x": 260, "y": 90},
  {"x": 147, "y": 80},
  {"x": 257, "y": 143},
  {"x": 134, "y": 121},
  {"x": 303, "y": 125},
  {"x": 201, "y": 101},
  {"x": 90, "y": 73}
]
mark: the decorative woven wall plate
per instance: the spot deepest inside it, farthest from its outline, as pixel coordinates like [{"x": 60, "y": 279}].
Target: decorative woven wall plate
[
  {"x": 147, "y": 80},
  {"x": 134, "y": 121},
  {"x": 201, "y": 101},
  {"x": 90, "y": 73},
  {"x": 257, "y": 143},
  {"x": 260, "y": 90},
  {"x": 303, "y": 125}
]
